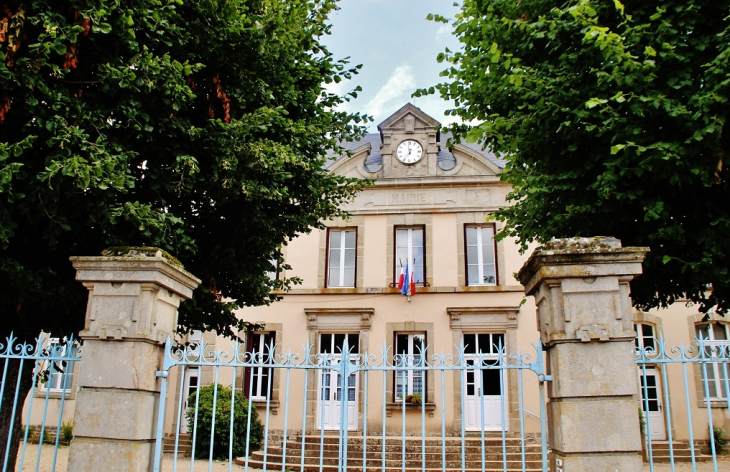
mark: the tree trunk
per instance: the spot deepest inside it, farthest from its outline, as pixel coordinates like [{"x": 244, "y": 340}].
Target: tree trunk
[{"x": 9, "y": 403}]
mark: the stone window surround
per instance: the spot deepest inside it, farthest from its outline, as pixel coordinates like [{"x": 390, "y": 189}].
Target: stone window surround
[
  {"x": 69, "y": 393},
  {"x": 354, "y": 222},
  {"x": 335, "y": 320},
  {"x": 641, "y": 317},
  {"x": 328, "y": 237},
  {"x": 397, "y": 269},
  {"x": 407, "y": 220},
  {"x": 273, "y": 402},
  {"x": 410, "y": 327},
  {"x": 693, "y": 321},
  {"x": 477, "y": 218},
  {"x": 655, "y": 321},
  {"x": 487, "y": 320},
  {"x": 496, "y": 260}
]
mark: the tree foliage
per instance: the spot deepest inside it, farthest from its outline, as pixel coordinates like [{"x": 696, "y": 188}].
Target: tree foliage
[
  {"x": 200, "y": 127},
  {"x": 612, "y": 117}
]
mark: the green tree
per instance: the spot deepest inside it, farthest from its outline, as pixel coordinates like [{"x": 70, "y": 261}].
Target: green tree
[
  {"x": 200, "y": 127},
  {"x": 612, "y": 117}
]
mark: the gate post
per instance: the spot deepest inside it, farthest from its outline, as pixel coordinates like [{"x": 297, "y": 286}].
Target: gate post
[
  {"x": 132, "y": 309},
  {"x": 581, "y": 289}
]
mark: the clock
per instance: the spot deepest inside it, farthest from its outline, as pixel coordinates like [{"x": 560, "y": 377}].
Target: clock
[{"x": 409, "y": 151}]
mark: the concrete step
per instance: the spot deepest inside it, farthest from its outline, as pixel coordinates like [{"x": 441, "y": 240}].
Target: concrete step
[
  {"x": 294, "y": 454},
  {"x": 184, "y": 445},
  {"x": 328, "y": 447},
  {"x": 376, "y": 467},
  {"x": 291, "y": 457},
  {"x": 409, "y": 448},
  {"x": 397, "y": 440},
  {"x": 684, "y": 459},
  {"x": 681, "y": 450}
]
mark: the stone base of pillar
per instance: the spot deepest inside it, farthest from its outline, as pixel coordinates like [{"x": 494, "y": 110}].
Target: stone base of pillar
[
  {"x": 87, "y": 454},
  {"x": 594, "y": 425}
]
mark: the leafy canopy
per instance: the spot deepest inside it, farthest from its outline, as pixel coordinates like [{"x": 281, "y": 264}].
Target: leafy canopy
[
  {"x": 200, "y": 127},
  {"x": 612, "y": 117}
]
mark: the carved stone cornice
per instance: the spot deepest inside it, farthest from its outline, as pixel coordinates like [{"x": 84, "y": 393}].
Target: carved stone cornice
[
  {"x": 340, "y": 319},
  {"x": 483, "y": 317}
]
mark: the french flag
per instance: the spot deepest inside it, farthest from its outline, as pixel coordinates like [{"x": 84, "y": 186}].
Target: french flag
[{"x": 406, "y": 283}]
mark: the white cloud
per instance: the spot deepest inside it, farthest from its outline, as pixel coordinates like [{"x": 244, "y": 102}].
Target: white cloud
[
  {"x": 399, "y": 87},
  {"x": 445, "y": 29}
]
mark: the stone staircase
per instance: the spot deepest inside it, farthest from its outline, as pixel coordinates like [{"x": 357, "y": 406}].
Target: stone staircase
[
  {"x": 183, "y": 447},
  {"x": 682, "y": 452},
  {"x": 393, "y": 452}
]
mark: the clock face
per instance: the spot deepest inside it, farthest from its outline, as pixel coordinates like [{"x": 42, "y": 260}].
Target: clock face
[{"x": 409, "y": 152}]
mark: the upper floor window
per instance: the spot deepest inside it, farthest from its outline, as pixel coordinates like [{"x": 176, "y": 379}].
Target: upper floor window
[
  {"x": 410, "y": 250},
  {"x": 717, "y": 343},
  {"x": 481, "y": 265},
  {"x": 645, "y": 339},
  {"x": 341, "y": 252},
  {"x": 273, "y": 274},
  {"x": 60, "y": 372}
]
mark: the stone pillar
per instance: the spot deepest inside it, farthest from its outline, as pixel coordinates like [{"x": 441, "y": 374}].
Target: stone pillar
[
  {"x": 132, "y": 309},
  {"x": 581, "y": 289}
]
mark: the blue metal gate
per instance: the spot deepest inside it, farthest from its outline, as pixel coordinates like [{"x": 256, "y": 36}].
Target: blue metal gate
[
  {"x": 704, "y": 365},
  {"x": 365, "y": 365},
  {"x": 53, "y": 362}
]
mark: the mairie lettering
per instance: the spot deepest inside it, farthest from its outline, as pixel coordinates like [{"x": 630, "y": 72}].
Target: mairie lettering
[{"x": 405, "y": 198}]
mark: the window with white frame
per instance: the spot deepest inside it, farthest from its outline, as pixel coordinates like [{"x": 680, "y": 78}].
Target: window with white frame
[
  {"x": 195, "y": 341},
  {"x": 486, "y": 347},
  {"x": 717, "y": 343},
  {"x": 257, "y": 383},
  {"x": 60, "y": 372},
  {"x": 410, "y": 351},
  {"x": 410, "y": 250},
  {"x": 341, "y": 257},
  {"x": 645, "y": 340},
  {"x": 481, "y": 260},
  {"x": 273, "y": 274}
]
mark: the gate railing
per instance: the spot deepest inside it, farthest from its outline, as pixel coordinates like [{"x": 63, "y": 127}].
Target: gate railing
[
  {"x": 53, "y": 360},
  {"x": 313, "y": 363},
  {"x": 710, "y": 360}
]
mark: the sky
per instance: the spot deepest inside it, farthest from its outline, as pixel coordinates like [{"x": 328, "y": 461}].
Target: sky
[{"x": 397, "y": 47}]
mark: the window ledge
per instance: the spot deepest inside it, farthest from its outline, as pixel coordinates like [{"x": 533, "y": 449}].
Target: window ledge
[
  {"x": 273, "y": 404},
  {"x": 396, "y": 291},
  {"x": 428, "y": 407},
  {"x": 713, "y": 403},
  {"x": 57, "y": 394}
]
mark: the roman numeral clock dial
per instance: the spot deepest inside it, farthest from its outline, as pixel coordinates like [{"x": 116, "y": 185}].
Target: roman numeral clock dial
[{"x": 409, "y": 151}]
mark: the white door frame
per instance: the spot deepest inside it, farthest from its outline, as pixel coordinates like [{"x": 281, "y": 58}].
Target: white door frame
[
  {"x": 188, "y": 388},
  {"x": 492, "y": 404},
  {"x": 656, "y": 410},
  {"x": 328, "y": 386}
]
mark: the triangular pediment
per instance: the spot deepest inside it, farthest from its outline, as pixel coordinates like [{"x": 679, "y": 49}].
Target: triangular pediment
[
  {"x": 396, "y": 119},
  {"x": 471, "y": 162}
]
